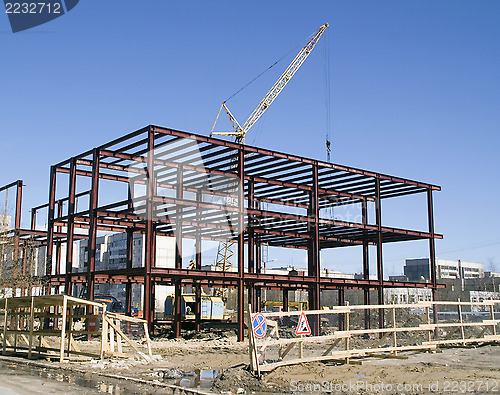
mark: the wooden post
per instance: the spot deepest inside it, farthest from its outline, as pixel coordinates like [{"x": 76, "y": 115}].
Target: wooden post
[
  {"x": 118, "y": 338},
  {"x": 428, "y": 314},
  {"x": 70, "y": 328},
  {"x": 111, "y": 336},
  {"x": 394, "y": 334},
  {"x": 492, "y": 317},
  {"x": 5, "y": 322},
  {"x": 32, "y": 326},
  {"x": 348, "y": 338},
  {"x": 104, "y": 334},
  {"x": 252, "y": 348},
  {"x": 16, "y": 327},
  {"x": 148, "y": 340},
  {"x": 63, "y": 326}
]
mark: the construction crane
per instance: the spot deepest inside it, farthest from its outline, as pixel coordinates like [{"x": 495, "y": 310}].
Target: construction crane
[
  {"x": 225, "y": 250},
  {"x": 240, "y": 131}
]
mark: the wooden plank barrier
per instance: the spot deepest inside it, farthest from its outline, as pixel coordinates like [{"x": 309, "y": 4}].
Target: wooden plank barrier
[
  {"x": 114, "y": 338},
  {"x": 286, "y": 338},
  {"x": 29, "y": 322}
]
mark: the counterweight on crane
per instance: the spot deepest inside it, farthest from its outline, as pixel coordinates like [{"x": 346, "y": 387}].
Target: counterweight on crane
[{"x": 226, "y": 249}]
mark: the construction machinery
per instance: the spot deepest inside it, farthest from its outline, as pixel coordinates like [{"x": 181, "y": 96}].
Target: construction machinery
[
  {"x": 225, "y": 250},
  {"x": 114, "y": 305},
  {"x": 212, "y": 308}
]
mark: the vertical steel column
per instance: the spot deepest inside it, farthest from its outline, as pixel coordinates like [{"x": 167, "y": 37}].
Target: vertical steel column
[
  {"x": 150, "y": 232},
  {"x": 241, "y": 243},
  {"x": 50, "y": 224},
  {"x": 17, "y": 225},
  {"x": 285, "y": 299},
  {"x": 178, "y": 253},
  {"x": 33, "y": 218},
  {"x": 59, "y": 242},
  {"x": 130, "y": 258},
  {"x": 25, "y": 260},
  {"x": 341, "y": 302},
  {"x": 130, "y": 251},
  {"x": 71, "y": 228},
  {"x": 380, "y": 267},
  {"x": 251, "y": 243},
  {"x": 197, "y": 288},
  {"x": 366, "y": 261},
  {"x": 92, "y": 243},
  {"x": 33, "y": 227},
  {"x": 286, "y": 320},
  {"x": 258, "y": 270},
  {"x": 432, "y": 251},
  {"x": 314, "y": 269}
]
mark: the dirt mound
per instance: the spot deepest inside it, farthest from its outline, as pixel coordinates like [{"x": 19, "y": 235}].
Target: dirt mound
[{"x": 240, "y": 380}]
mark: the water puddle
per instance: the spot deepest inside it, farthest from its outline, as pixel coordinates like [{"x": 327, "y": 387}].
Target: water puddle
[
  {"x": 199, "y": 378},
  {"x": 196, "y": 379},
  {"x": 74, "y": 378}
]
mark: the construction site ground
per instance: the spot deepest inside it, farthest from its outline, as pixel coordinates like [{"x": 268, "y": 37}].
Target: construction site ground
[{"x": 217, "y": 363}]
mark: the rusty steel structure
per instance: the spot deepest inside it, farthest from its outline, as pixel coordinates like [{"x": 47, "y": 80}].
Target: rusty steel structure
[{"x": 185, "y": 185}]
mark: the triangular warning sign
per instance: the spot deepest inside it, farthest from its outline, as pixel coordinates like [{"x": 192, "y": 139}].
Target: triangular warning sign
[{"x": 303, "y": 326}]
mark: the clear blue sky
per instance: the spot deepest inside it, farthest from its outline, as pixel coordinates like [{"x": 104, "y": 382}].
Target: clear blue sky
[{"x": 415, "y": 92}]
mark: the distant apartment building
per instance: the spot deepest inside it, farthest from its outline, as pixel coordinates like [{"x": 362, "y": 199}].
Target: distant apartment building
[
  {"x": 407, "y": 295},
  {"x": 419, "y": 269},
  {"x": 111, "y": 254}
]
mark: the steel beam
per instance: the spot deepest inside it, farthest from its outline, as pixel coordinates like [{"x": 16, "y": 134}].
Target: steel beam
[
  {"x": 366, "y": 262},
  {"x": 197, "y": 287},
  {"x": 380, "y": 267},
  {"x": 150, "y": 234},
  {"x": 178, "y": 252},
  {"x": 130, "y": 253},
  {"x": 70, "y": 228},
  {"x": 251, "y": 241},
  {"x": 432, "y": 252},
  {"x": 50, "y": 222},
  {"x": 241, "y": 244},
  {"x": 92, "y": 241}
]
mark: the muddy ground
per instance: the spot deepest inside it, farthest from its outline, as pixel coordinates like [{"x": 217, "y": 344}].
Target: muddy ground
[{"x": 195, "y": 362}]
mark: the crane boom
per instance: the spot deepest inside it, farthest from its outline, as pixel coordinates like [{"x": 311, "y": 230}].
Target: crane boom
[{"x": 240, "y": 131}]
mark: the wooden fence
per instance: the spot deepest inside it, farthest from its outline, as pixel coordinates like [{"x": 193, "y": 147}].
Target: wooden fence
[
  {"x": 285, "y": 338},
  {"x": 30, "y": 324}
]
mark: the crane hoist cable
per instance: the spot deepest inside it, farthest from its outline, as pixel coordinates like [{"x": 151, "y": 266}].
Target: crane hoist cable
[
  {"x": 240, "y": 131},
  {"x": 266, "y": 70},
  {"x": 326, "y": 64},
  {"x": 225, "y": 250}
]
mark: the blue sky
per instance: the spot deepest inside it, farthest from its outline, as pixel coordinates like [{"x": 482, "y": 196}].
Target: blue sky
[{"x": 415, "y": 92}]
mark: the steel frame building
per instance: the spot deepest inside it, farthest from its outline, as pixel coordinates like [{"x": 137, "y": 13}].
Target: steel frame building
[{"x": 191, "y": 186}]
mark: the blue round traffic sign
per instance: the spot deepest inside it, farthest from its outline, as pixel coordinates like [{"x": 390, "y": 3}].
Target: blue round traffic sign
[{"x": 259, "y": 325}]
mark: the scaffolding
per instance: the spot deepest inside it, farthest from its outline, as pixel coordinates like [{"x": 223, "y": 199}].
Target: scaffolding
[{"x": 185, "y": 185}]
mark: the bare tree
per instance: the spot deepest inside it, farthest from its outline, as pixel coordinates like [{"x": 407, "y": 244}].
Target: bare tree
[
  {"x": 491, "y": 264},
  {"x": 18, "y": 275}
]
